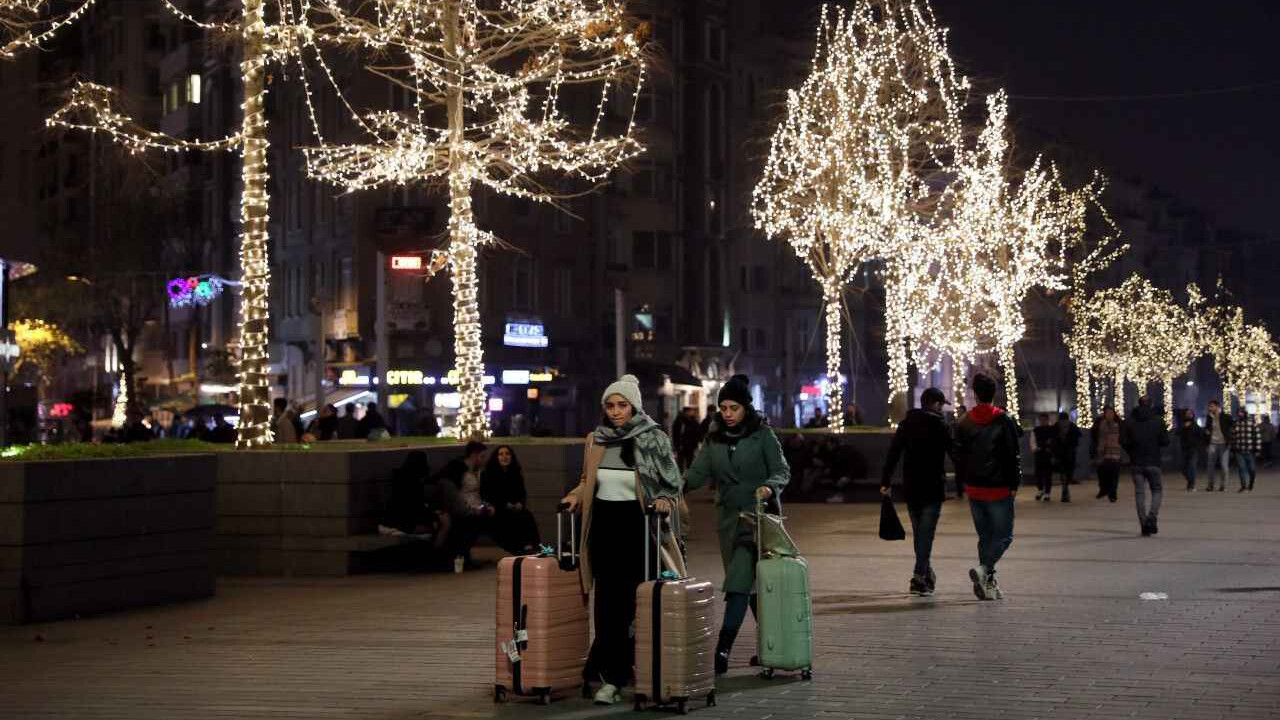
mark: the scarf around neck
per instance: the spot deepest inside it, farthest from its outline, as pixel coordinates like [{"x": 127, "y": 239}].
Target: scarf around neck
[{"x": 655, "y": 462}]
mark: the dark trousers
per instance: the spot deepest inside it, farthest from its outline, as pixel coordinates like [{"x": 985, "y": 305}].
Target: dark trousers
[
  {"x": 514, "y": 530},
  {"x": 924, "y": 525},
  {"x": 616, "y": 548},
  {"x": 993, "y": 520},
  {"x": 1109, "y": 478},
  {"x": 1189, "y": 469},
  {"x": 1044, "y": 472}
]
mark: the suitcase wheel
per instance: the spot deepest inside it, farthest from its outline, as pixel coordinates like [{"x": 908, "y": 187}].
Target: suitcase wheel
[
  {"x": 639, "y": 704},
  {"x": 711, "y": 699},
  {"x": 767, "y": 674},
  {"x": 499, "y": 694},
  {"x": 544, "y": 699},
  {"x": 682, "y": 707},
  {"x": 586, "y": 691},
  {"x": 806, "y": 675}
]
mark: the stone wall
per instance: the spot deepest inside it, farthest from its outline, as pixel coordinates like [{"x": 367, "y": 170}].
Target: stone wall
[{"x": 90, "y": 536}]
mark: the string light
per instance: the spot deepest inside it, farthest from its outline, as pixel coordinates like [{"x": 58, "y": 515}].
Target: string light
[
  {"x": 121, "y": 411},
  {"x": 849, "y": 164},
  {"x": 1245, "y": 355},
  {"x": 502, "y": 126},
  {"x": 20, "y": 20}
]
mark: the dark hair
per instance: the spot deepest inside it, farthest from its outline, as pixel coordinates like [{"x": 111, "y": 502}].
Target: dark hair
[
  {"x": 493, "y": 466},
  {"x": 1064, "y": 416},
  {"x": 1215, "y": 402},
  {"x": 1044, "y": 416},
  {"x": 371, "y": 406},
  {"x": 984, "y": 387},
  {"x": 280, "y": 403},
  {"x": 473, "y": 447}
]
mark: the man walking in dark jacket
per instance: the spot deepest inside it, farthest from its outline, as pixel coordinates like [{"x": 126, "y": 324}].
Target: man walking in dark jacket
[
  {"x": 925, "y": 439},
  {"x": 1217, "y": 427},
  {"x": 991, "y": 466},
  {"x": 1143, "y": 436}
]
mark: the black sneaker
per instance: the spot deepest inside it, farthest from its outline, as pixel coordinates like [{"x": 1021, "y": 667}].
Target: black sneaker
[
  {"x": 919, "y": 585},
  {"x": 1146, "y": 529},
  {"x": 1151, "y": 524},
  {"x": 932, "y": 581}
]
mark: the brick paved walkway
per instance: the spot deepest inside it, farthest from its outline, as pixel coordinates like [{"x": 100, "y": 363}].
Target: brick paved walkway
[{"x": 1073, "y": 640}]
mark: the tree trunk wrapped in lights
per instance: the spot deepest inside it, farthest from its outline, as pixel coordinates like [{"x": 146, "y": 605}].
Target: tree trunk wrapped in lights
[
  {"x": 495, "y": 71},
  {"x": 849, "y": 162}
]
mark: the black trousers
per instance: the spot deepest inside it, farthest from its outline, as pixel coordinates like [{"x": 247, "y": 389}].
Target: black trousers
[
  {"x": 616, "y": 548},
  {"x": 513, "y": 530},
  {"x": 1109, "y": 478}
]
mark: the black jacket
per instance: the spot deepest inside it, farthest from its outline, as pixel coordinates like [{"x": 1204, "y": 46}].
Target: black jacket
[
  {"x": 1227, "y": 423},
  {"x": 1143, "y": 436},
  {"x": 500, "y": 487},
  {"x": 1191, "y": 437},
  {"x": 989, "y": 454},
  {"x": 926, "y": 440}
]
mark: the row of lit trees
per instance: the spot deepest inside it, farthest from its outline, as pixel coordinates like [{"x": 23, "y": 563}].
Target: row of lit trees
[
  {"x": 489, "y": 80},
  {"x": 873, "y": 160},
  {"x": 1139, "y": 333}
]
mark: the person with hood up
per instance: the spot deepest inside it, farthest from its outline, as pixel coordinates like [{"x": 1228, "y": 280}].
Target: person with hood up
[
  {"x": 990, "y": 464},
  {"x": 628, "y": 462},
  {"x": 1144, "y": 434},
  {"x": 743, "y": 457},
  {"x": 922, "y": 441}
]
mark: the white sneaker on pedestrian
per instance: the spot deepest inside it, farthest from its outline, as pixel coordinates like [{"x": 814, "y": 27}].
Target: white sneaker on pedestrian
[
  {"x": 979, "y": 577},
  {"x": 993, "y": 589},
  {"x": 608, "y": 695}
]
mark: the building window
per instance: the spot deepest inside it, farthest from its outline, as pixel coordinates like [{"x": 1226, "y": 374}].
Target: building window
[
  {"x": 523, "y": 284},
  {"x": 345, "y": 283},
  {"x": 651, "y": 250},
  {"x": 563, "y": 280},
  {"x": 715, "y": 132},
  {"x": 761, "y": 340},
  {"x": 759, "y": 278},
  {"x": 652, "y": 182},
  {"x": 714, "y": 43},
  {"x": 744, "y": 339},
  {"x": 193, "y": 88}
]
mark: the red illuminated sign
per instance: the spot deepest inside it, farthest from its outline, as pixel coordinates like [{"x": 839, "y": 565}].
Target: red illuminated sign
[{"x": 406, "y": 262}]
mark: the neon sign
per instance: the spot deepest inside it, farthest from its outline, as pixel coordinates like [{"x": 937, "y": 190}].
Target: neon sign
[
  {"x": 406, "y": 262},
  {"x": 525, "y": 334},
  {"x": 198, "y": 290}
]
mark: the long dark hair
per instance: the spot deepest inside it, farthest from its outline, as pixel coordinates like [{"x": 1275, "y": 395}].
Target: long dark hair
[{"x": 495, "y": 469}]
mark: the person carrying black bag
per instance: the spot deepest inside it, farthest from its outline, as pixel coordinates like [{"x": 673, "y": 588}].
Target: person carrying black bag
[{"x": 925, "y": 440}]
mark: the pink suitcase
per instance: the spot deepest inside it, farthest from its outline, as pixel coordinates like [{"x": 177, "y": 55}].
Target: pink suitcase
[
  {"x": 542, "y": 624},
  {"x": 675, "y": 636}
]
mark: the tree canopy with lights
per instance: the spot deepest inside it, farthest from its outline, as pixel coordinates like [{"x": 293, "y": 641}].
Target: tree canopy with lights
[
  {"x": 492, "y": 84},
  {"x": 849, "y": 164}
]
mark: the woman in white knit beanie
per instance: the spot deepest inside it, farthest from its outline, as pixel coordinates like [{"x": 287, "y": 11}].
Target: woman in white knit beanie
[{"x": 628, "y": 462}]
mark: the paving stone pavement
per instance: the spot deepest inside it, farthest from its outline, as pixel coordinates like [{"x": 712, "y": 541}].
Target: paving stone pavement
[{"x": 1073, "y": 639}]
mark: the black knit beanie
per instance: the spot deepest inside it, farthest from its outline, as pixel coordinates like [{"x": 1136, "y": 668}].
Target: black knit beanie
[{"x": 738, "y": 389}]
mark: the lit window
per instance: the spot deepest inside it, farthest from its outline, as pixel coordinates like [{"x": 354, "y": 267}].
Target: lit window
[{"x": 193, "y": 88}]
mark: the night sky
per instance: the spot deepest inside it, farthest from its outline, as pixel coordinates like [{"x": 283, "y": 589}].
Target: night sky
[{"x": 1218, "y": 152}]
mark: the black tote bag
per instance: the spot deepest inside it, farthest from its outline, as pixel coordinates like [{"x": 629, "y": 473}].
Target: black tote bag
[{"x": 890, "y": 526}]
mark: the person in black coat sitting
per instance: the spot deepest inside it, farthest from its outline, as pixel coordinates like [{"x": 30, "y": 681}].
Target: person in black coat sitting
[
  {"x": 502, "y": 488},
  {"x": 418, "y": 506}
]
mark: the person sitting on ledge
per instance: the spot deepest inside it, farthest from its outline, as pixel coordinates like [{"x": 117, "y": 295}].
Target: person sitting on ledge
[
  {"x": 472, "y": 516},
  {"x": 502, "y": 488}
]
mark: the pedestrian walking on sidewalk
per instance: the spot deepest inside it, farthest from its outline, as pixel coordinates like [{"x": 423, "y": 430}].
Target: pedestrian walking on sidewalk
[
  {"x": 743, "y": 457},
  {"x": 922, "y": 441},
  {"x": 1064, "y": 453},
  {"x": 1246, "y": 443},
  {"x": 1217, "y": 425},
  {"x": 1191, "y": 440},
  {"x": 990, "y": 463},
  {"x": 628, "y": 461},
  {"x": 1106, "y": 452},
  {"x": 1144, "y": 436},
  {"x": 1043, "y": 442}
]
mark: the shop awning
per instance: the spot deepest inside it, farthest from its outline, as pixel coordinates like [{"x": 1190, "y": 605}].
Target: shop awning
[{"x": 649, "y": 373}]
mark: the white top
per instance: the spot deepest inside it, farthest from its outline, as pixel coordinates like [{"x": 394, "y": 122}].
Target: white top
[
  {"x": 470, "y": 492},
  {"x": 615, "y": 484}
]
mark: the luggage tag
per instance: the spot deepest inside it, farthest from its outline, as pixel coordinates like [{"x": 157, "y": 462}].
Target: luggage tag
[{"x": 511, "y": 649}]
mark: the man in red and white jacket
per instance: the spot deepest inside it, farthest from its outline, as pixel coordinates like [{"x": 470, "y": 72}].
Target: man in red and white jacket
[{"x": 990, "y": 465}]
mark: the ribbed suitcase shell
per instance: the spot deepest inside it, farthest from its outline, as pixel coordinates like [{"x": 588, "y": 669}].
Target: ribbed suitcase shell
[
  {"x": 555, "y": 617},
  {"x": 683, "y": 627},
  {"x": 786, "y": 613}
]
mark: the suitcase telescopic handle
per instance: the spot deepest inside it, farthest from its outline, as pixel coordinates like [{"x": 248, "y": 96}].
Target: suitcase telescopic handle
[
  {"x": 655, "y": 517},
  {"x": 573, "y": 537}
]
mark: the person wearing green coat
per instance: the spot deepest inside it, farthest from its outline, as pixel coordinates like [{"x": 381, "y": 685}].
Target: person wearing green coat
[{"x": 744, "y": 458}]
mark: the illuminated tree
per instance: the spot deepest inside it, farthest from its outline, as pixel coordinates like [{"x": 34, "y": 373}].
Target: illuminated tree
[
  {"x": 25, "y": 24},
  {"x": 1244, "y": 354},
  {"x": 491, "y": 83},
  {"x": 995, "y": 235},
  {"x": 849, "y": 164},
  {"x": 43, "y": 346}
]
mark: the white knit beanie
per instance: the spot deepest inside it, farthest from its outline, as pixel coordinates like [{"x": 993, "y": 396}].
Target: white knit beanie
[{"x": 628, "y": 387}]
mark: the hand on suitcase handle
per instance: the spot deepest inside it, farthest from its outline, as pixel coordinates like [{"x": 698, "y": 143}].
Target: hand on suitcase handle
[{"x": 661, "y": 507}]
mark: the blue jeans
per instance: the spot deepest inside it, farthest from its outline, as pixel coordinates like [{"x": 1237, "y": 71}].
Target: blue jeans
[
  {"x": 993, "y": 519},
  {"x": 1218, "y": 457},
  {"x": 924, "y": 524},
  {"x": 1144, "y": 476},
  {"x": 1247, "y": 467}
]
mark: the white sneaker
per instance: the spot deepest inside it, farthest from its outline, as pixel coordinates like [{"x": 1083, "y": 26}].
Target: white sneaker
[
  {"x": 608, "y": 695},
  {"x": 979, "y": 577},
  {"x": 993, "y": 589}
]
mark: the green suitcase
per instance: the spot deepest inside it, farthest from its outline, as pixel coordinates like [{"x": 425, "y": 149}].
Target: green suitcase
[{"x": 785, "y": 610}]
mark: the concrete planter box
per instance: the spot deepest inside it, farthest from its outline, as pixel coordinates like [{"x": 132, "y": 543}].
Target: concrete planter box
[
  {"x": 87, "y": 536},
  {"x": 316, "y": 512}
]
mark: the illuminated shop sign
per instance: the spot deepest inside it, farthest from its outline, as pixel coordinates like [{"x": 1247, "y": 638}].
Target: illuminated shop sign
[
  {"x": 198, "y": 290},
  {"x": 525, "y": 334}
]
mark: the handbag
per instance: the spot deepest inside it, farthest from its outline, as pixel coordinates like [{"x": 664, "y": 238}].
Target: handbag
[
  {"x": 774, "y": 540},
  {"x": 890, "y": 526}
]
